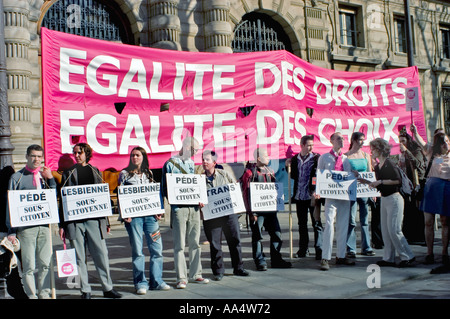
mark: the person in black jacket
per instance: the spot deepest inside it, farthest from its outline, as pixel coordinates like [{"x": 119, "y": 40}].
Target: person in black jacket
[
  {"x": 87, "y": 233},
  {"x": 413, "y": 162},
  {"x": 303, "y": 170}
]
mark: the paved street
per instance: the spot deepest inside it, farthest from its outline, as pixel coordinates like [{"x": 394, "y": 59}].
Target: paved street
[{"x": 303, "y": 281}]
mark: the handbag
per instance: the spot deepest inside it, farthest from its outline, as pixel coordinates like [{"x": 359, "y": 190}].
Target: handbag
[{"x": 66, "y": 262}]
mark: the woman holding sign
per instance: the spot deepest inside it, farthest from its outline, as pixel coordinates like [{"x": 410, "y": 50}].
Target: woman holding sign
[
  {"x": 360, "y": 161},
  {"x": 436, "y": 198},
  {"x": 137, "y": 172},
  {"x": 388, "y": 183},
  {"x": 89, "y": 232}
]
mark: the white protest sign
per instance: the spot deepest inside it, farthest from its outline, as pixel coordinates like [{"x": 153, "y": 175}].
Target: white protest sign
[
  {"x": 66, "y": 262},
  {"x": 33, "y": 207},
  {"x": 364, "y": 190},
  {"x": 186, "y": 189},
  {"x": 140, "y": 200},
  {"x": 412, "y": 98},
  {"x": 266, "y": 197},
  {"x": 86, "y": 201},
  {"x": 223, "y": 200},
  {"x": 336, "y": 185}
]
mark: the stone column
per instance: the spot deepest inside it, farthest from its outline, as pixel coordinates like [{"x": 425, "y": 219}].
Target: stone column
[
  {"x": 6, "y": 147},
  {"x": 17, "y": 42},
  {"x": 165, "y": 24},
  {"x": 217, "y": 26}
]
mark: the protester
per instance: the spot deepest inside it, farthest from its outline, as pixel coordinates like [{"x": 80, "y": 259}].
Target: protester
[
  {"x": 412, "y": 161},
  {"x": 185, "y": 219},
  {"x": 261, "y": 173},
  {"x": 89, "y": 232},
  {"x": 10, "y": 269},
  {"x": 436, "y": 199},
  {"x": 35, "y": 242},
  {"x": 229, "y": 224},
  {"x": 136, "y": 173},
  {"x": 360, "y": 161},
  {"x": 303, "y": 169},
  {"x": 391, "y": 210},
  {"x": 427, "y": 147},
  {"x": 335, "y": 208}
]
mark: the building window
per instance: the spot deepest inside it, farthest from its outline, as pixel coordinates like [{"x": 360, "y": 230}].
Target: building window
[
  {"x": 400, "y": 35},
  {"x": 349, "y": 32},
  {"x": 98, "y": 19},
  {"x": 445, "y": 33},
  {"x": 446, "y": 105},
  {"x": 259, "y": 32}
]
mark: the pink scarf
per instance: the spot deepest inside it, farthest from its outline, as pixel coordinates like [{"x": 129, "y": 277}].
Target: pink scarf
[
  {"x": 338, "y": 166},
  {"x": 36, "y": 176}
]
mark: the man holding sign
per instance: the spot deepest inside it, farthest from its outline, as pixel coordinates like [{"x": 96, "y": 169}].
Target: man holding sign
[
  {"x": 229, "y": 224},
  {"x": 35, "y": 242},
  {"x": 90, "y": 232},
  {"x": 335, "y": 208},
  {"x": 184, "y": 219},
  {"x": 261, "y": 173}
]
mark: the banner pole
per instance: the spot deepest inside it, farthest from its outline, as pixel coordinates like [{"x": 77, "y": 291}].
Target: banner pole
[
  {"x": 290, "y": 212},
  {"x": 52, "y": 273}
]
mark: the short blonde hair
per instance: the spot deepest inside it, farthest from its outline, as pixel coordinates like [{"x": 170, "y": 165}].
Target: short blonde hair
[{"x": 382, "y": 146}]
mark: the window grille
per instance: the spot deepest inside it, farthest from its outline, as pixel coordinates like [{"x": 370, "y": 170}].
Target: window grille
[{"x": 87, "y": 18}]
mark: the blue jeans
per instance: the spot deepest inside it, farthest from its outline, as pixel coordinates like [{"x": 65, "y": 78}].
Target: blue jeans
[
  {"x": 364, "y": 222},
  {"x": 148, "y": 226}
]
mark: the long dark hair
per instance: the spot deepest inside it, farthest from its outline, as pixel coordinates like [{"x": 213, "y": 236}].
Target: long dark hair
[
  {"x": 439, "y": 140},
  {"x": 355, "y": 136},
  {"x": 411, "y": 145},
  {"x": 144, "y": 166}
]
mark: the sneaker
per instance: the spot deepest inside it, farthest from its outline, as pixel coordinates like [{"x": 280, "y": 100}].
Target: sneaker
[
  {"x": 181, "y": 285},
  {"x": 261, "y": 267},
  {"x": 368, "y": 253},
  {"x": 241, "y": 272},
  {"x": 406, "y": 263},
  {"x": 324, "y": 265},
  {"x": 218, "y": 277},
  {"x": 351, "y": 254},
  {"x": 141, "y": 291},
  {"x": 344, "y": 261},
  {"x": 163, "y": 286},
  {"x": 199, "y": 280},
  {"x": 302, "y": 253}
]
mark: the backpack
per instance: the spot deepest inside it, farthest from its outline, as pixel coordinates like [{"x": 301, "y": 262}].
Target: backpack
[{"x": 407, "y": 186}]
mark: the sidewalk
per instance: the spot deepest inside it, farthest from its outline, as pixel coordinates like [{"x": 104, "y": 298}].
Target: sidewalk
[{"x": 303, "y": 281}]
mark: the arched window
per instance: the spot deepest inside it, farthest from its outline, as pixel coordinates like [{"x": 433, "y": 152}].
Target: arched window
[
  {"x": 98, "y": 19},
  {"x": 259, "y": 32}
]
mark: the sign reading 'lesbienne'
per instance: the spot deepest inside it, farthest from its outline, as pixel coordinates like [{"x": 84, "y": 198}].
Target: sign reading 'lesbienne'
[{"x": 86, "y": 201}]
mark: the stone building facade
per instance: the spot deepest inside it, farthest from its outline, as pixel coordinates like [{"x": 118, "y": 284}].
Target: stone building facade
[{"x": 347, "y": 35}]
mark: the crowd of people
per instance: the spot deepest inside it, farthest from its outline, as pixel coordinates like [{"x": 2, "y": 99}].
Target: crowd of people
[{"x": 404, "y": 220}]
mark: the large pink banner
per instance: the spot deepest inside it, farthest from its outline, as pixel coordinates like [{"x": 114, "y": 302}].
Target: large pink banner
[{"x": 110, "y": 96}]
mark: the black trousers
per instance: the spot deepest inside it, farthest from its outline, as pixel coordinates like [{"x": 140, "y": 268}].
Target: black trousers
[
  {"x": 228, "y": 225},
  {"x": 303, "y": 207}
]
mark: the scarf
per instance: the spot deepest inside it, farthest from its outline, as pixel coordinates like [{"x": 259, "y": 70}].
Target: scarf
[
  {"x": 338, "y": 166},
  {"x": 36, "y": 176}
]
